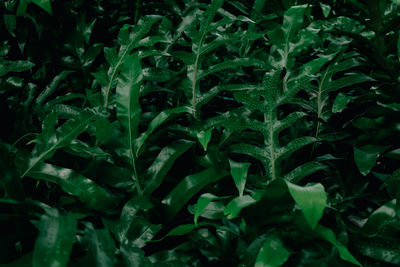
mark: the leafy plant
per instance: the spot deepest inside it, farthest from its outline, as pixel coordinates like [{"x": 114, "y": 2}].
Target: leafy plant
[{"x": 199, "y": 133}]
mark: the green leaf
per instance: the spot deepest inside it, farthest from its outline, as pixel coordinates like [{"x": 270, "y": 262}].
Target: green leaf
[
  {"x": 380, "y": 218},
  {"x": 101, "y": 245},
  {"x": 303, "y": 170},
  {"x": 365, "y": 160},
  {"x": 180, "y": 230},
  {"x": 165, "y": 159},
  {"x": 311, "y": 200},
  {"x": 231, "y": 64},
  {"x": 340, "y": 102},
  {"x": 128, "y": 39},
  {"x": 348, "y": 81},
  {"x": 201, "y": 204},
  {"x": 326, "y": 9},
  {"x": 272, "y": 253},
  {"x": 204, "y": 137},
  {"x": 51, "y": 87},
  {"x": 49, "y": 141},
  {"x": 239, "y": 174},
  {"x": 189, "y": 186},
  {"x": 77, "y": 185},
  {"x": 15, "y": 66},
  {"x": 134, "y": 257},
  {"x": 127, "y": 98},
  {"x": 234, "y": 207},
  {"x": 54, "y": 243},
  {"x": 162, "y": 117},
  {"x": 45, "y": 4},
  {"x": 328, "y": 235},
  {"x": 10, "y": 23},
  {"x": 127, "y": 95}
]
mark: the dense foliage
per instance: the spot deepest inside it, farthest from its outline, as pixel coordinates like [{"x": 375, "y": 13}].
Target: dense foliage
[{"x": 200, "y": 133}]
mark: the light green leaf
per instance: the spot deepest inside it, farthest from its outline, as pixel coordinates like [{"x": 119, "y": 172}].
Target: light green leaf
[
  {"x": 45, "y": 4},
  {"x": 204, "y": 137},
  {"x": 340, "y": 102},
  {"x": 201, "y": 204},
  {"x": 272, "y": 253},
  {"x": 234, "y": 207},
  {"x": 239, "y": 174},
  {"x": 326, "y": 9},
  {"x": 311, "y": 200},
  {"x": 56, "y": 236}
]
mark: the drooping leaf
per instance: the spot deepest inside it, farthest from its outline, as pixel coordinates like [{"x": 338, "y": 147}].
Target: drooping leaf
[
  {"x": 239, "y": 174},
  {"x": 328, "y": 235},
  {"x": 234, "y": 207},
  {"x": 365, "y": 160},
  {"x": 204, "y": 138},
  {"x": 311, "y": 200}
]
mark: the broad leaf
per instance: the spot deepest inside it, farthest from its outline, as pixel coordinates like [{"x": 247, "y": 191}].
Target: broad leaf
[
  {"x": 311, "y": 200},
  {"x": 272, "y": 253}
]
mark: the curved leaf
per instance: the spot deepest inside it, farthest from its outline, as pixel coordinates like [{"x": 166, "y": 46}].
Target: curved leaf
[
  {"x": 189, "y": 186},
  {"x": 77, "y": 185},
  {"x": 160, "y": 166},
  {"x": 328, "y": 235},
  {"x": 234, "y": 207}
]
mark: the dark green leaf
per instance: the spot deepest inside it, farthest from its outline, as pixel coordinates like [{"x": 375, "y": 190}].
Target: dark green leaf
[
  {"x": 189, "y": 186},
  {"x": 54, "y": 243}
]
